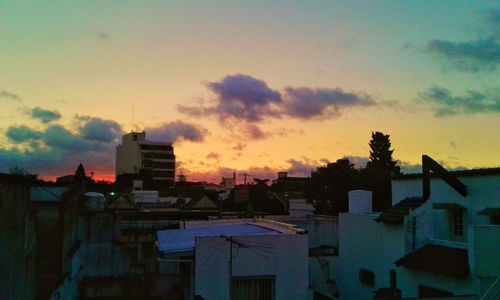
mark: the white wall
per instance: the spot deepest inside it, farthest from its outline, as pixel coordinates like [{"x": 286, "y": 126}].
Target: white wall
[
  {"x": 287, "y": 259},
  {"x": 366, "y": 244}
]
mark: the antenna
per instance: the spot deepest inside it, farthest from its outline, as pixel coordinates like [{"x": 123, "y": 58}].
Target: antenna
[
  {"x": 134, "y": 128},
  {"x": 245, "y": 176}
]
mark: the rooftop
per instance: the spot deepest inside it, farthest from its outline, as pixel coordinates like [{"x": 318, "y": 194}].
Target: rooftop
[
  {"x": 182, "y": 241},
  {"x": 397, "y": 213},
  {"x": 47, "y": 193},
  {"x": 458, "y": 173}
]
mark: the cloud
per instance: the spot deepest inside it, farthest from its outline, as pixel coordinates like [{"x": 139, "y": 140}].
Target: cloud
[
  {"x": 98, "y": 129},
  {"x": 243, "y": 98},
  {"x": 57, "y": 150},
  {"x": 239, "y": 147},
  {"x": 22, "y": 133},
  {"x": 177, "y": 131},
  {"x": 239, "y": 96},
  {"x": 103, "y": 36},
  {"x": 308, "y": 103},
  {"x": 302, "y": 167},
  {"x": 470, "y": 56},
  {"x": 482, "y": 54},
  {"x": 213, "y": 155},
  {"x": 9, "y": 96},
  {"x": 45, "y": 116},
  {"x": 253, "y": 132},
  {"x": 445, "y": 103}
]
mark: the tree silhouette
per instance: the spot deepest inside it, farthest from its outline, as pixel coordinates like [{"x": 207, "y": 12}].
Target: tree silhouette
[{"x": 381, "y": 154}]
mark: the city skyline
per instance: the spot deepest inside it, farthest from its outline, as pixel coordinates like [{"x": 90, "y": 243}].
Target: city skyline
[{"x": 254, "y": 87}]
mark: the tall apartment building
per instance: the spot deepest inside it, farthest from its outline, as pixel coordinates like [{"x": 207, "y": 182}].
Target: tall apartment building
[{"x": 152, "y": 162}]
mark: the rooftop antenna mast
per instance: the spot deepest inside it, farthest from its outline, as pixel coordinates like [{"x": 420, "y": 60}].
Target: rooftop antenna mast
[
  {"x": 245, "y": 175},
  {"x": 134, "y": 127}
]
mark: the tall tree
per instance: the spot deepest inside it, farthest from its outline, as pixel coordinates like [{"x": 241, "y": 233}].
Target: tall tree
[
  {"x": 329, "y": 186},
  {"x": 381, "y": 154}
]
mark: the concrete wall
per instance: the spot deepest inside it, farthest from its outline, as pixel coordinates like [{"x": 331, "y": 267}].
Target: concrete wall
[
  {"x": 320, "y": 232},
  {"x": 324, "y": 274},
  {"x": 366, "y": 244},
  {"x": 283, "y": 256},
  {"x": 484, "y": 248},
  {"x": 16, "y": 241}
]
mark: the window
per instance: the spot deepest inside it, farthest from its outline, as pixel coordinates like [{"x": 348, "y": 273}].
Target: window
[
  {"x": 457, "y": 223},
  {"x": 495, "y": 220},
  {"x": 253, "y": 288},
  {"x": 367, "y": 277}
]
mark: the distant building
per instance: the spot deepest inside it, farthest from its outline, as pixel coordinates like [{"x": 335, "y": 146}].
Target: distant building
[
  {"x": 440, "y": 238},
  {"x": 140, "y": 159}
]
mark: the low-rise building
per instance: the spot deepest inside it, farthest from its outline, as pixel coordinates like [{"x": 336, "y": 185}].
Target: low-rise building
[
  {"x": 438, "y": 239},
  {"x": 235, "y": 259}
]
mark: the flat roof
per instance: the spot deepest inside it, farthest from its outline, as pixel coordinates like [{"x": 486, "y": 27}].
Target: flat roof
[
  {"x": 47, "y": 193},
  {"x": 183, "y": 240}
]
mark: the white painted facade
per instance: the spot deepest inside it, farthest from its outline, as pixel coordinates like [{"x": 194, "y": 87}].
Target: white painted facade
[
  {"x": 368, "y": 245},
  {"x": 284, "y": 258}
]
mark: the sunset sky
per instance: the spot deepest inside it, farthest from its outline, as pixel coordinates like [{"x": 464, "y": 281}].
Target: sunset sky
[{"x": 255, "y": 86}]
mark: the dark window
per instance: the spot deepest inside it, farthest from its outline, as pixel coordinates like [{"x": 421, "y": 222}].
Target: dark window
[
  {"x": 495, "y": 220},
  {"x": 163, "y": 165},
  {"x": 253, "y": 288},
  {"x": 156, "y": 147},
  {"x": 367, "y": 277},
  {"x": 152, "y": 155},
  {"x": 457, "y": 223},
  {"x": 163, "y": 173}
]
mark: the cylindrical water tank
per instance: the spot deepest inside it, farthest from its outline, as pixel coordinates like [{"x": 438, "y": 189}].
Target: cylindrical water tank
[
  {"x": 94, "y": 201},
  {"x": 360, "y": 202}
]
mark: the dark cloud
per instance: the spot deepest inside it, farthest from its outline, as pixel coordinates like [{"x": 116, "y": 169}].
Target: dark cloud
[
  {"x": 470, "y": 56},
  {"x": 213, "y": 155},
  {"x": 494, "y": 18},
  {"x": 22, "y": 133},
  {"x": 9, "y": 96},
  {"x": 239, "y": 147},
  {"x": 58, "y": 137},
  {"x": 98, "y": 129},
  {"x": 57, "y": 150},
  {"x": 177, "y": 131},
  {"x": 308, "y": 103},
  {"x": 44, "y": 115},
  {"x": 103, "y": 36},
  {"x": 244, "y": 98},
  {"x": 445, "y": 103},
  {"x": 302, "y": 167},
  {"x": 253, "y": 132},
  {"x": 482, "y": 54},
  {"x": 240, "y": 97}
]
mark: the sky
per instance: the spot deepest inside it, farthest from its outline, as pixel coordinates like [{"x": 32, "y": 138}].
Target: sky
[{"x": 250, "y": 86}]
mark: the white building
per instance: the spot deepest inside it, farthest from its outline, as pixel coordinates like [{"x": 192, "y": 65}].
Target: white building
[
  {"x": 137, "y": 155},
  {"x": 250, "y": 259},
  {"x": 444, "y": 246}
]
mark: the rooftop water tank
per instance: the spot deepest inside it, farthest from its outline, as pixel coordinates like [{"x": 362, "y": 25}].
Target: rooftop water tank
[
  {"x": 93, "y": 201},
  {"x": 360, "y": 202}
]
